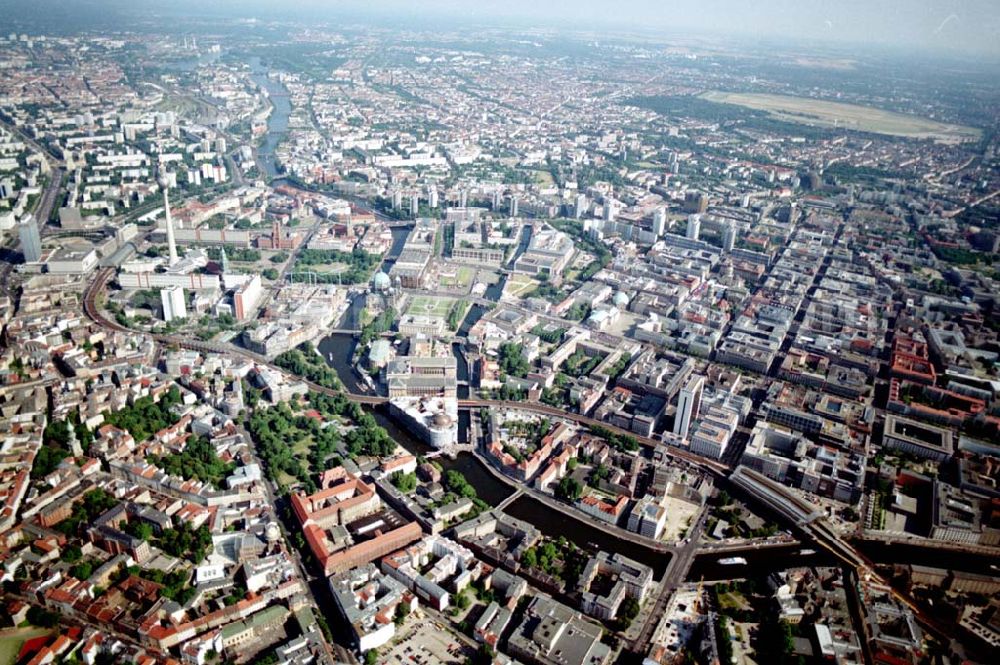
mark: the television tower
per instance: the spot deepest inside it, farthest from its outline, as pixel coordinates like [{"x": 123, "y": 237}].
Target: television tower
[{"x": 171, "y": 243}]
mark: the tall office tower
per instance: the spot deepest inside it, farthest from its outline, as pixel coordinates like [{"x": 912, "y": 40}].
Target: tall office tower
[
  {"x": 225, "y": 261},
  {"x": 397, "y": 200},
  {"x": 694, "y": 227},
  {"x": 581, "y": 205},
  {"x": 171, "y": 243},
  {"x": 414, "y": 205},
  {"x": 729, "y": 237},
  {"x": 660, "y": 221},
  {"x": 688, "y": 403},
  {"x": 174, "y": 307},
  {"x": 31, "y": 240},
  {"x": 463, "y": 199},
  {"x": 513, "y": 206},
  {"x": 496, "y": 201},
  {"x": 432, "y": 196}
]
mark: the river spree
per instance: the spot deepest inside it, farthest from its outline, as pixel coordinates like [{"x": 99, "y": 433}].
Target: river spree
[
  {"x": 277, "y": 122},
  {"x": 555, "y": 524},
  {"x": 338, "y": 349}
]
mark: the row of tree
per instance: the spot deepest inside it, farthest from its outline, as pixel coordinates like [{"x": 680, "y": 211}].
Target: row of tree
[
  {"x": 304, "y": 361},
  {"x": 145, "y": 417},
  {"x": 360, "y": 264}
]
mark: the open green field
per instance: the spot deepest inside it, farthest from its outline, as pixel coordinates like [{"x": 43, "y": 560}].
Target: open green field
[
  {"x": 822, "y": 113},
  {"x": 12, "y": 639},
  {"x": 461, "y": 280},
  {"x": 543, "y": 178},
  {"x": 330, "y": 268},
  {"x": 733, "y": 599},
  {"x": 519, "y": 285},
  {"x": 430, "y": 306}
]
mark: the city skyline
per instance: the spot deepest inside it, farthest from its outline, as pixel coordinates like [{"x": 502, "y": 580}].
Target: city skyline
[{"x": 932, "y": 27}]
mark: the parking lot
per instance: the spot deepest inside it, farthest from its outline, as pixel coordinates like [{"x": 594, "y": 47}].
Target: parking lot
[{"x": 422, "y": 644}]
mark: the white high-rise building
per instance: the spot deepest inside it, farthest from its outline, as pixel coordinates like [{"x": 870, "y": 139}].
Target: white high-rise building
[
  {"x": 729, "y": 238},
  {"x": 432, "y": 197},
  {"x": 31, "y": 240},
  {"x": 513, "y": 206},
  {"x": 463, "y": 199},
  {"x": 688, "y": 403},
  {"x": 694, "y": 227},
  {"x": 414, "y": 205},
  {"x": 174, "y": 305},
  {"x": 581, "y": 205},
  {"x": 609, "y": 209},
  {"x": 660, "y": 221}
]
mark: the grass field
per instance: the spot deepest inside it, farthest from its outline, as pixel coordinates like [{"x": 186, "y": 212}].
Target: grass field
[
  {"x": 430, "y": 306},
  {"x": 461, "y": 280},
  {"x": 822, "y": 113},
  {"x": 543, "y": 178},
  {"x": 519, "y": 285},
  {"x": 12, "y": 639},
  {"x": 734, "y": 600},
  {"x": 331, "y": 268}
]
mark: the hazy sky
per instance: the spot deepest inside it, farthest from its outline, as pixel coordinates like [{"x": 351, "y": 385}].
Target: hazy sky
[{"x": 970, "y": 25}]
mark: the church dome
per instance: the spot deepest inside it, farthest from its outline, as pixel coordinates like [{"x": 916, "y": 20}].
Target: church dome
[{"x": 272, "y": 532}]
